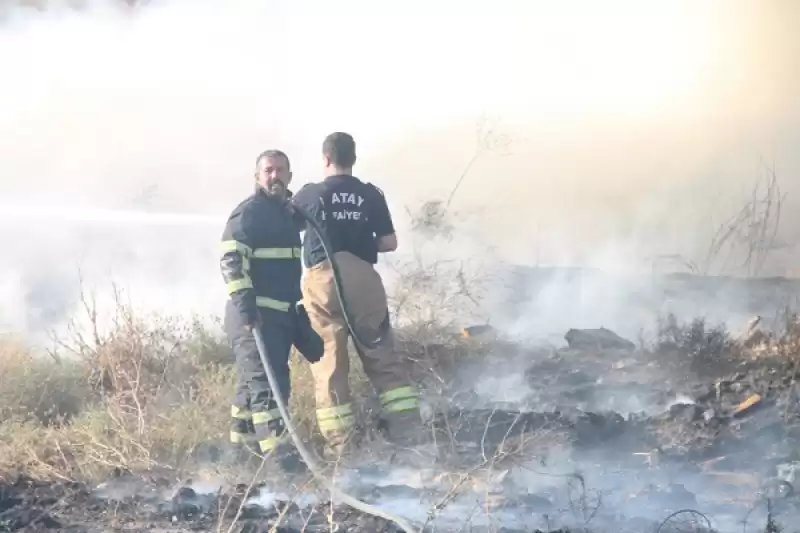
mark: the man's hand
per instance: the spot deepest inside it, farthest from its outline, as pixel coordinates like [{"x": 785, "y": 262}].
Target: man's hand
[
  {"x": 387, "y": 243},
  {"x": 306, "y": 340},
  {"x": 253, "y": 322}
]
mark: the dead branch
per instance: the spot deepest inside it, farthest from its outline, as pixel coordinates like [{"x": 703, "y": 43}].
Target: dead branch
[
  {"x": 752, "y": 231},
  {"x": 487, "y": 141}
]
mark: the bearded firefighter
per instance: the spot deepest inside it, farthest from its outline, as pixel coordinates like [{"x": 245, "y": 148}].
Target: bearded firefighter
[{"x": 261, "y": 267}]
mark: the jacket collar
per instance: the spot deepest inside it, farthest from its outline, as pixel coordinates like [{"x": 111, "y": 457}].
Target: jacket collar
[{"x": 339, "y": 178}]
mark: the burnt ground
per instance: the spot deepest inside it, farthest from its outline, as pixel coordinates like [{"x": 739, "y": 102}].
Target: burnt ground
[
  {"x": 604, "y": 437},
  {"x": 26, "y": 505}
]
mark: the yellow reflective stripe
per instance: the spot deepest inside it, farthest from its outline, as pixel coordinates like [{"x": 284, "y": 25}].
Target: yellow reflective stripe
[
  {"x": 399, "y": 399},
  {"x": 271, "y": 303},
  {"x": 328, "y": 412},
  {"x": 338, "y": 424},
  {"x": 239, "y": 284},
  {"x": 401, "y": 405},
  {"x": 400, "y": 393},
  {"x": 266, "y": 416},
  {"x": 268, "y": 444},
  {"x": 241, "y": 414},
  {"x": 241, "y": 438},
  {"x": 276, "y": 253},
  {"x": 335, "y": 418},
  {"x": 235, "y": 246}
]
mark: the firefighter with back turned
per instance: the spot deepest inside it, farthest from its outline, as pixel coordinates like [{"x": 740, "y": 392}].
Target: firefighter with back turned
[{"x": 356, "y": 219}]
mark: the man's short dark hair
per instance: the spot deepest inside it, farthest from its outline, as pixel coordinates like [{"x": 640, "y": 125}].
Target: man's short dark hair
[
  {"x": 273, "y": 153},
  {"x": 340, "y": 148}
]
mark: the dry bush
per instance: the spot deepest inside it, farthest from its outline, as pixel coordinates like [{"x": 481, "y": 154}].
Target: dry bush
[
  {"x": 750, "y": 234},
  {"x": 435, "y": 293},
  {"x": 36, "y": 387},
  {"x": 434, "y": 298},
  {"x": 169, "y": 433},
  {"x": 433, "y": 219},
  {"x": 782, "y": 340},
  {"x": 149, "y": 391},
  {"x": 695, "y": 343}
]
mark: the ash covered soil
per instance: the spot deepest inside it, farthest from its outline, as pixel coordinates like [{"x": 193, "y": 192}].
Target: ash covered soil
[{"x": 599, "y": 436}]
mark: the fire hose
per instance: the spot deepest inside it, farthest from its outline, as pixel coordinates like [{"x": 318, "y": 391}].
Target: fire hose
[{"x": 284, "y": 411}]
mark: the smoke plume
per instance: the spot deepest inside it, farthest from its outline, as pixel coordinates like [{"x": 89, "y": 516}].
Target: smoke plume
[{"x": 635, "y": 130}]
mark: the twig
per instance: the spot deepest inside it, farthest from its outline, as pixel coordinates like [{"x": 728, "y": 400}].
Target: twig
[
  {"x": 487, "y": 141},
  {"x": 246, "y": 494},
  {"x": 687, "y": 512}
]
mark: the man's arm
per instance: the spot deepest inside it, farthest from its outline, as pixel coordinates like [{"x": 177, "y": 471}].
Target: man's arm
[
  {"x": 299, "y": 221},
  {"x": 307, "y": 199},
  {"x": 383, "y": 226},
  {"x": 387, "y": 243},
  {"x": 234, "y": 264}
]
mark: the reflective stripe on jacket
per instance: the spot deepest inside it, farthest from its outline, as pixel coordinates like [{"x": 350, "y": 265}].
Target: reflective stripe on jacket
[{"x": 260, "y": 256}]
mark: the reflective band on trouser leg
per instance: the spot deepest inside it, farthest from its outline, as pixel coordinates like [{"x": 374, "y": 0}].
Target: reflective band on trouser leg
[
  {"x": 240, "y": 414},
  {"x": 338, "y": 418},
  {"x": 269, "y": 427},
  {"x": 399, "y": 399},
  {"x": 241, "y": 425},
  {"x": 271, "y": 303},
  {"x": 266, "y": 416},
  {"x": 268, "y": 444}
]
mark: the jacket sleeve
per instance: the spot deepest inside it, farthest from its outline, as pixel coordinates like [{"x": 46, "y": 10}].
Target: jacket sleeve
[
  {"x": 237, "y": 246},
  {"x": 307, "y": 199},
  {"x": 300, "y": 200},
  {"x": 380, "y": 216}
]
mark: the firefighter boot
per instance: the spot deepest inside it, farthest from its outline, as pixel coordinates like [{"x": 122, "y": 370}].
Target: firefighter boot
[
  {"x": 340, "y": 445},
  {"x": 404, "y": 429},
  {"x": 409, "y": 441},
  {"x": 289, "y": 459}
]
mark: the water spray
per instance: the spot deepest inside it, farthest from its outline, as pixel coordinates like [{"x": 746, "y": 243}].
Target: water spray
[{"x": 284, "y": 411}]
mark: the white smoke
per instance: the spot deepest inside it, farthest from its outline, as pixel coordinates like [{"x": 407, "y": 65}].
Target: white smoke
[{"x": 627, "y": 142}]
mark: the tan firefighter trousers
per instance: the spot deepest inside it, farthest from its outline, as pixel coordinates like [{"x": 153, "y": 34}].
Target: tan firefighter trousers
[{"x": 366, "y": 300}]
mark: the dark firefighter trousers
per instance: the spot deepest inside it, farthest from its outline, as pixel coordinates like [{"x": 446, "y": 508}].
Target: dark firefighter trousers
[{"x": 255, "y": 418}]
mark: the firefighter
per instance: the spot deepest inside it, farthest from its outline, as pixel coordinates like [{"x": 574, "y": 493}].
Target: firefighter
[
  {"x": 261, "y": 267},
  {"x": 356, "y": 219}
]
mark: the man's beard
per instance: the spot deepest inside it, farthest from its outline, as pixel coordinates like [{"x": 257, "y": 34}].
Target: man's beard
[{"x": 276, "y": 188}]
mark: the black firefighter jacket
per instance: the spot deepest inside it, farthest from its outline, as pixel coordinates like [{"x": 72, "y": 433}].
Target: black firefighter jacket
[{"x": 261, "y": 267}]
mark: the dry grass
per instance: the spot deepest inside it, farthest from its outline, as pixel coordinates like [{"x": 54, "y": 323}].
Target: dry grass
[
  {"x": 146, "y": 393},
  {"x": 700, "y": 347},
  {"x": 149, "y": 392}
]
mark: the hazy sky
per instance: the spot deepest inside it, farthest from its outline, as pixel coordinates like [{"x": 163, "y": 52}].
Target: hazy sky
[{"x": 632, "y": 123}]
